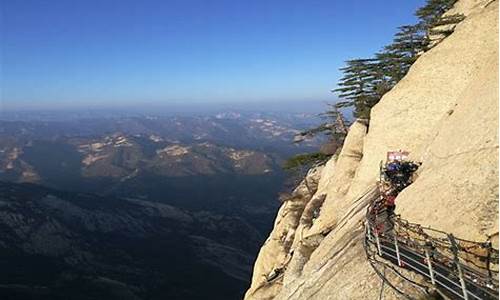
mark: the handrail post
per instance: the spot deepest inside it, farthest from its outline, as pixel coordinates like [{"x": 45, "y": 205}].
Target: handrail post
[
  {"x": 454, "y": 249},
  {"x": 429, "y": 265},
  {"x": 488, "y": 259},
  {"x": 379, "y": 248},
  {"x": 397, "y": 250},
  {"x": 462, "y": 282},
  {"x": 368, "y": 231}
]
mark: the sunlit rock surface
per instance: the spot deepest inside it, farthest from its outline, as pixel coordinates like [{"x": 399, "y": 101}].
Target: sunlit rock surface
[{"x": 445, "y": 113}]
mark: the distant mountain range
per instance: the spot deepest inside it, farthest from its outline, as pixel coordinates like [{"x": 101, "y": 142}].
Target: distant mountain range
[
  {"x": 228, "y": 162},
  {"x": 265, "y": 131},
  {"x": 125, "y": 205}
]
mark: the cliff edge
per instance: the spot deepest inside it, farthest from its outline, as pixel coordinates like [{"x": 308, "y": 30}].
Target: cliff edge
[{"x": 445, "y": 113}]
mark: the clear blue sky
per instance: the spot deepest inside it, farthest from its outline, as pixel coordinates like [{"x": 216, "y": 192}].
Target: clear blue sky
[{"x": 64, "y": 53}]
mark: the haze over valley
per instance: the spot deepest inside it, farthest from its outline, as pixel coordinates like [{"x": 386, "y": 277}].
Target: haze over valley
[{"x": 200, "y": 188}]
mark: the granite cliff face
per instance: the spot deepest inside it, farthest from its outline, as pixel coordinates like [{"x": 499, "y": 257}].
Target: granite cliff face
[{"x": 445, "y": 113}]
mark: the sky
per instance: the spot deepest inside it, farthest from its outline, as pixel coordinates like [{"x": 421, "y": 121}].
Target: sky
[{"x": 105, "y": 53}]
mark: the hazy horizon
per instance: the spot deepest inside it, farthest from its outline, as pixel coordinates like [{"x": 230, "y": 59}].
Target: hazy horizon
[{"x": 151, "y": 107}]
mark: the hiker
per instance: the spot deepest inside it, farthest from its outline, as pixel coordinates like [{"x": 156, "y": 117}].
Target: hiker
[
  {"x": 391, "y": 169},
  {"x": 407, "y": 170},
  {"x": 399, "y": 174},
  {"x": 390, "y": 201}
]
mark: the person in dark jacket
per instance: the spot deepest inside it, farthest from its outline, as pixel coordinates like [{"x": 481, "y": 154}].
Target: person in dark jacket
[
  {"x": 399, "y": 173},
  {"x": 390, "y": 202}
]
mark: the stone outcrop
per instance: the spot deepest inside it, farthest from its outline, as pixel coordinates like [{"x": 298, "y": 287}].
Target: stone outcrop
[
  {"x": 445, "y": 113},
  {"x": 276, "y": 249}
]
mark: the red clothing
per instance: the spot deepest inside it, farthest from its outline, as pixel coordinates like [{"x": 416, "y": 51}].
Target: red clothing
[{"x": 390, "y": 200}]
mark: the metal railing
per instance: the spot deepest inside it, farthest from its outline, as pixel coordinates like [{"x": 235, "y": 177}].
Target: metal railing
[{"x": 457, "y": 268}]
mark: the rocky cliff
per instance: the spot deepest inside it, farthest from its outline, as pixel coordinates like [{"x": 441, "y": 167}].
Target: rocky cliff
[{"x": 445, "y": 113}]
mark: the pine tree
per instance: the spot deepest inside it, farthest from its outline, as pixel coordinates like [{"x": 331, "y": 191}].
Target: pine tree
[
  {"x": 439, "y": 26},
  {"x": 366, "y": 80},
  {"x": 357, "y": 88},
  {"x": 431, "y": 16},
  {"x": 335, "y": 126},
  {"x": 409, "y": 41},
  {"x": 433, "y": 10},
  {"x": 395, "y": 59}
]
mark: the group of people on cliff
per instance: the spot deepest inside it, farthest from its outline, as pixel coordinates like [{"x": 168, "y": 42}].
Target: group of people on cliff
[{"x": 395, "y": 176}]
